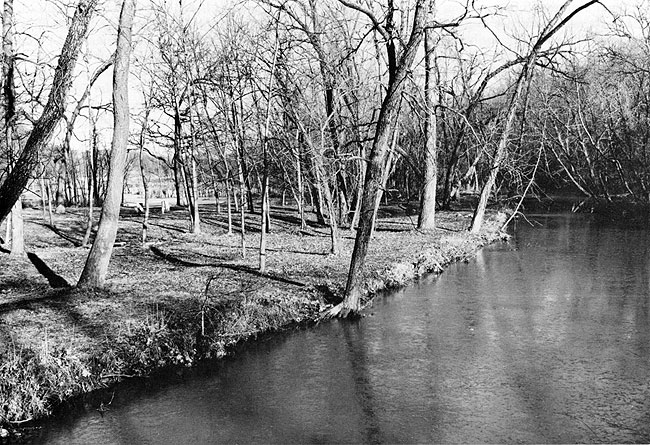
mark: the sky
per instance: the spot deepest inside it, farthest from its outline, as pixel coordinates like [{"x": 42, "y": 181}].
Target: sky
[{"x": 46, "y": 20}]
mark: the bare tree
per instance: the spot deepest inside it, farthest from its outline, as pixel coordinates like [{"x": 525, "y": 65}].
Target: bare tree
[
  {"x": 426, "y": 220},
  {"x": 265, "y": 155},
  {"x": 552, "y": 27},
  {"x": 17, "y": 179},
  {"x": 96, "y": 268},
  {"x": 377, "y": 157},
  {"x": 9, "y": 113},
  {"x": 143, "y": 176},
  {"x": 70, "y": 123}
]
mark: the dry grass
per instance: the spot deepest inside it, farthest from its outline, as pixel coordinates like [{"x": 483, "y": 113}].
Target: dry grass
[{"x": 193, "y": 304}]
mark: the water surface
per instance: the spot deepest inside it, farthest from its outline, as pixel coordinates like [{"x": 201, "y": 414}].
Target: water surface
[{"x": 542, "y": 339}]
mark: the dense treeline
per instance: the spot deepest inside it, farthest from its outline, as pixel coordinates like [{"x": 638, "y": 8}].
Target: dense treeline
[{"x": 336, "y": 106}]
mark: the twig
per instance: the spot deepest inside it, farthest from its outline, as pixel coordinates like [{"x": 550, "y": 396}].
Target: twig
[
  {"x": 235, "y": 334},
  {"x": 18, "y": 422},
  {"x": 110, "y": 376},
  {"x": 581, "y": 421},
  {"x": 523, "y": 195}
]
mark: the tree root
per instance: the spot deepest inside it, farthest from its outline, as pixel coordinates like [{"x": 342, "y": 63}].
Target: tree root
[{"x": 341, "y": 311}]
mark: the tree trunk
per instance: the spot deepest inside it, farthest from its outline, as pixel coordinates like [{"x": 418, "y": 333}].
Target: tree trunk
[
  {"x": 49, "y": 203},
  {"x": 386, "y": 175},
  {"x": 91, "y": 189},
  {"x": 376, "y": 163},
  {"x": 263, "y": 222},
  {"x": 194, "y": 203},
  {"x": 145, "y": 186},
  {"x": 7, "y": 240},
  {"x": 499, "y": 153},
  {"x": 99, "y": 191},
  {"x": 241, "y": 158},
  {"x": 229, "y": 194},
  {"x": 194, "y": 207},
  {"x": 189, "y": 189},
  {"x": 71, "y": 171},
  {"x": 317, "y": 198},
  {"x": 177, "y": 180},
  {"x": 179, "y": 163},
  {"x": 89, "y": 220},
  {"x": 213, "y": 176},
  {"x": 17, "y": 230},
  {"x": 8, "y": 110},
  {"x": 524, "y": 80},
  {"x": 325, "y": 194},
  {"x": 362, "y": 175},
  {"x": 96, "y": 268},
  {"x": 300, "y": 201},
  {"x": 242, "y": 211},
  {"x": 8, "y": 90},
  {"x": 145, "y": 183},
  {"x": 426, "y": 220},
  {"x": 41, "y": 183}
]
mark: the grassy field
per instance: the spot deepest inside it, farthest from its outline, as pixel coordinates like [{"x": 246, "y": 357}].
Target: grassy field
[{"x": 181, "y": 298}]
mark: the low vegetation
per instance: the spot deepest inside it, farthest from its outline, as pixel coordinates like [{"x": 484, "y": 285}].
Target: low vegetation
[{"x": 183, "y": 298}]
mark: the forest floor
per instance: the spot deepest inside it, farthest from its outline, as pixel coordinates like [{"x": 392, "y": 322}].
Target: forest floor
[{"x": 181, "y": 298}]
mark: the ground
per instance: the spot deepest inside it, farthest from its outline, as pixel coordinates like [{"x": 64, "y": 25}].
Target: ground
[{"x": 180, "y": 298}]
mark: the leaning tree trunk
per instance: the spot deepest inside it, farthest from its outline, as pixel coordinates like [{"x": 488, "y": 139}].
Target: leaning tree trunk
[
  {"x": 359, "y": 198},
  {"x": 497, "y": 158},
  {"x": 385, "y": 176},
  {"x": 96, "y": 268},
  {"x": 549, "y": 30},
  {"x": 43, "y": 129},
  {"x": 377, "y": 160}
]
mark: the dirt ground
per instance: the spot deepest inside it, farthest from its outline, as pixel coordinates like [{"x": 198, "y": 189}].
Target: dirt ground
[{"x": 182, "y": 297}]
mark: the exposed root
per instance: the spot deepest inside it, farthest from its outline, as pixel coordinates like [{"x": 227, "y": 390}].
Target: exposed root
[
  {"x": 341, "y": 310},
  {"x": 333, "y": 312}
]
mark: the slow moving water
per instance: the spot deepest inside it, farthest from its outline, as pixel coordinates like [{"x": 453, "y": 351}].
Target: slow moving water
[{"x": 542, "y": 339}]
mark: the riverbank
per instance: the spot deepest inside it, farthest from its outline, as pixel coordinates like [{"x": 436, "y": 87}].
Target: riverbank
[{"x": 183, "y": 298}]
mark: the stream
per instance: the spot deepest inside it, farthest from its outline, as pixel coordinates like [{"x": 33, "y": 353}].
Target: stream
[{"x": 545, "y": 338}]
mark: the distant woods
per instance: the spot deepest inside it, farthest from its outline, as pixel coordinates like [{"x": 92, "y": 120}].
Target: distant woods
[{"x": 333, "y": 107}]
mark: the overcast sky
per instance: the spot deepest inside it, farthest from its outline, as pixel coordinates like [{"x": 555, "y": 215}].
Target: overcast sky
[{"x": 47, "y": 21}]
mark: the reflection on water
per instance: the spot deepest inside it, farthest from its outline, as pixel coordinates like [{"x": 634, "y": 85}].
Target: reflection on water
[{"x": 543, "y": 339}]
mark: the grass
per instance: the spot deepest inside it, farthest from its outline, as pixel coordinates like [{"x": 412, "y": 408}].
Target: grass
[{"x": 183, "y": 298}]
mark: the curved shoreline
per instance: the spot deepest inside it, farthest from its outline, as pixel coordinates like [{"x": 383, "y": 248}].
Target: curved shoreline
[{"x": 83, "y": 341}]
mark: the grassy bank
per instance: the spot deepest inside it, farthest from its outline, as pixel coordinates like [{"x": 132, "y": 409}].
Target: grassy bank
[{"x": 183, "y": 298}]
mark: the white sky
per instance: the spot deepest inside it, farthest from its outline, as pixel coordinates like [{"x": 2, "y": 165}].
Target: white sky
[{"x": 46, "y": 20}]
